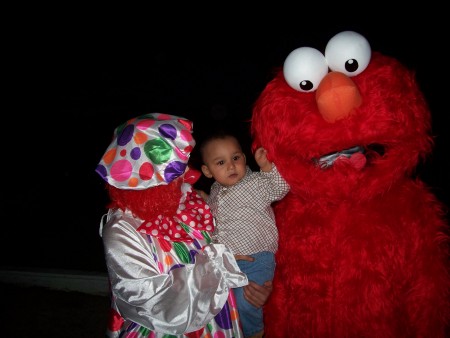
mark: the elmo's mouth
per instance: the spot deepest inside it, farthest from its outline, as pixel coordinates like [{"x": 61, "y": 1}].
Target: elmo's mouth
[{"x": 357, "y": 155}]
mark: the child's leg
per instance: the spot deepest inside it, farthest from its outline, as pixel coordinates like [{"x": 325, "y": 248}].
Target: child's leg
[{"x": 259, "y": 271}]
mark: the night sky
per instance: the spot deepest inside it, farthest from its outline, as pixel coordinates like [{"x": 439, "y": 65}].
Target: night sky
[{"x": 71, "y": 85}]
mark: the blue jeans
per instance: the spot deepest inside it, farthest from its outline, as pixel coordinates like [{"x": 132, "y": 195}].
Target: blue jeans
[{"x": 259, "y": 271}]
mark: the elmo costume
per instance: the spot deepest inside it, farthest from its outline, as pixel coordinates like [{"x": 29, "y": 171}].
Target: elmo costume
[{"x": 364, "y": 245}]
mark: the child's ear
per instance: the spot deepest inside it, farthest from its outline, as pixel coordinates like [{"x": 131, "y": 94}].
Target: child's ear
[{"x": 205, "y": 171}]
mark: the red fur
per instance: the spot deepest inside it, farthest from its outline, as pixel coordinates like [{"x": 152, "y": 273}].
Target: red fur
[
  {"x": 148, "y": 203},
  {"x": 362, "y": 252}
]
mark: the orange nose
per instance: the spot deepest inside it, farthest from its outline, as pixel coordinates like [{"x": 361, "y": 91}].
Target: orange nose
[{"x": 337, "y": 96}]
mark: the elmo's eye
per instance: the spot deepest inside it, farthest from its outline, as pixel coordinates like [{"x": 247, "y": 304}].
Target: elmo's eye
[
  {"x": 304, "y": 68},
  {"x": 348, "y": 52}
]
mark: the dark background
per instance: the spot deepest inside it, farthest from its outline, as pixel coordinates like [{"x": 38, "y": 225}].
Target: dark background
[{"x": 70, "y": 82}]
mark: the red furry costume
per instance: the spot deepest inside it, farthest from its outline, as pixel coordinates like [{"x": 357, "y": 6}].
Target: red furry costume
[{"x": 363, "y": 249}]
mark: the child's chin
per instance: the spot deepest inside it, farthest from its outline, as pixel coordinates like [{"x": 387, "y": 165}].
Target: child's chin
[{"x": 233, "y": 179}]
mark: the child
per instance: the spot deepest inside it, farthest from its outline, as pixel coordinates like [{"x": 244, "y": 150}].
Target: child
[{"x": 240, "y": 201}]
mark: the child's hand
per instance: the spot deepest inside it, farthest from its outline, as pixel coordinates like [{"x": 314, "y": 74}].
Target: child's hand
[
  {"x": 261, "y": 159},
  {"x": 202, "y": 194}
]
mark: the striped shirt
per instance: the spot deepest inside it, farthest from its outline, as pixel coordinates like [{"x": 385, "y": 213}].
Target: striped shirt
[{"x": 244, "y": 217}]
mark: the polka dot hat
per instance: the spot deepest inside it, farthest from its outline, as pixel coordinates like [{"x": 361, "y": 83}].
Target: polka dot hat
[{"x": 147, "y": 151}]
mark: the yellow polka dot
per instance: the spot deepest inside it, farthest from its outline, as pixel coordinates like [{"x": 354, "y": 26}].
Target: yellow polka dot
[
  {"x": 109, "y": 156},
  {"x": 133, "y": 182},
  {"x": 140, "y": 138},
  {"x": 160, "y": 178},
  {"x": 168, "y": 260},
  {"x": 234, "y": 314}
]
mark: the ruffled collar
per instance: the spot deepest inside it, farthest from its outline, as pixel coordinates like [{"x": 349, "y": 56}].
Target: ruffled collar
[{"x": 191, "y": 218}]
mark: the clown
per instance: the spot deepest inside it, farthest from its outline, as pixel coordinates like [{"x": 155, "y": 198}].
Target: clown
[
  {"x": 167, "y": 278},
  {"x": 363, "y": 246}
]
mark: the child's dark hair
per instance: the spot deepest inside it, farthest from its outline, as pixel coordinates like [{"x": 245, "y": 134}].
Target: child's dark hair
[{"x": 216, "y": 135}]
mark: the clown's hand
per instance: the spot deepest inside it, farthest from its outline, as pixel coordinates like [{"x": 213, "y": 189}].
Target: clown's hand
[
  {"x": 256, "y": 294},
  {"x": 202, "y": 194}
]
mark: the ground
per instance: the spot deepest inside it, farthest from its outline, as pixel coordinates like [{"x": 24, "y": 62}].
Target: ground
[{"x": 42, "y": 312}]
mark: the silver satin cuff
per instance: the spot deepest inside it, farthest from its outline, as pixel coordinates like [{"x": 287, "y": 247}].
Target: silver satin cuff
[{"x": 224, "y": 261}]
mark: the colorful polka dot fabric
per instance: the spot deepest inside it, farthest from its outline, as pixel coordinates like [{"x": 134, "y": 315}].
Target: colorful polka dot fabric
[{"x": 147, "y": 151}]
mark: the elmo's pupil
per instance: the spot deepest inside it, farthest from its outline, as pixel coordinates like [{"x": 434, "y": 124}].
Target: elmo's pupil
[
  {"x": 351, "y": 65},
  {"x": 306, "y": 85}
]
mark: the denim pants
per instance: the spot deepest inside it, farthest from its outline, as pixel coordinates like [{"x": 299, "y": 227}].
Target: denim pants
[{"x": 259, "y": 271}]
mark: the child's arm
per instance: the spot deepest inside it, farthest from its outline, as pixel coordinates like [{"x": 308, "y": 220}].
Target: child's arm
[{"x": 261, "y": 159}]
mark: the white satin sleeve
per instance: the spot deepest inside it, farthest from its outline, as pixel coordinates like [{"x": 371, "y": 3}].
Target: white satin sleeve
[{"x": 182, "y": 301}]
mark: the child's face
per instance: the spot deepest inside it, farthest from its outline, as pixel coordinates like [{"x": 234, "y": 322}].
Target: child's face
[{"x": 224, "y": 161}]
